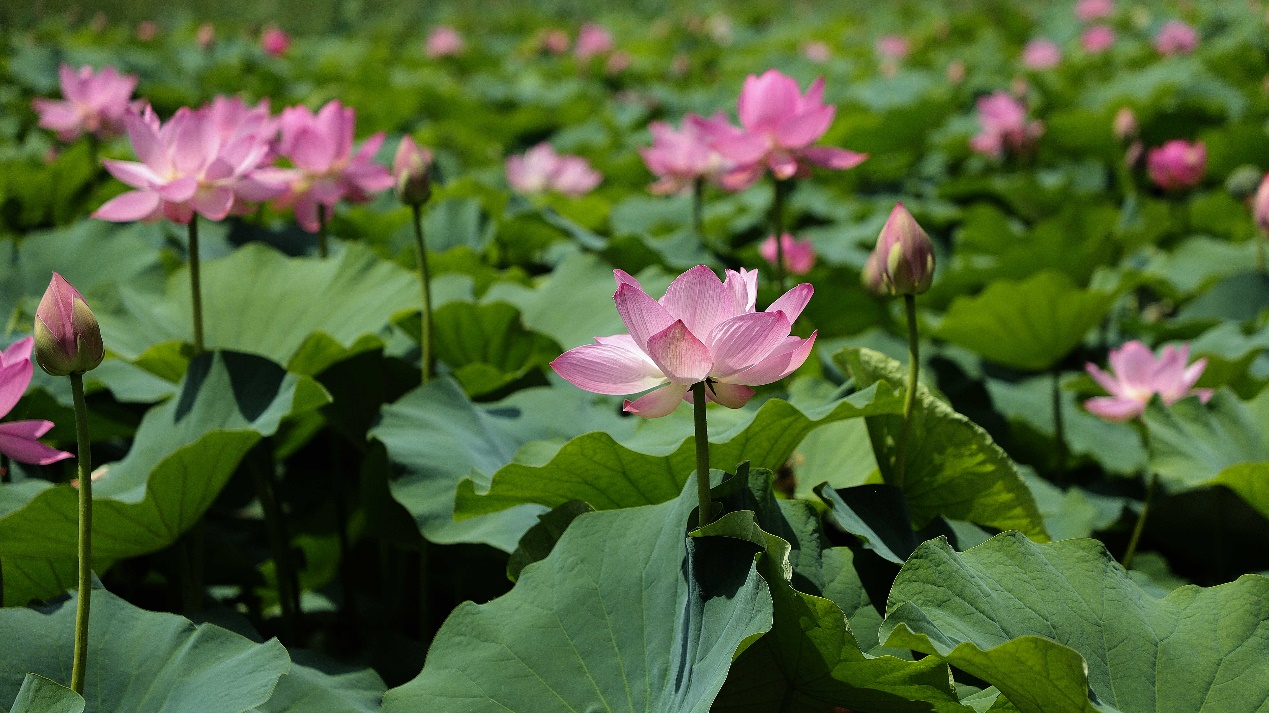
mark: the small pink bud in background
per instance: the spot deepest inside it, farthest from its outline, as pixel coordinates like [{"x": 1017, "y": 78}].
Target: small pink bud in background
[
  {"x": 99, "y": 23},
  {"x": 556, "y": 41},
  {"x": 1133, "y": 155},
  {"x": 205, "y": 36},
  {"x": 617, "y": 63},
  {"x": 1177, "y": 164},
  {"x": 541, "y": 169},
  {"x": 1175, "y": 37},
  {"x": 1260, "y": 205},
  {"x": 443, "y": 41},
  {"x": 799, "y": 255},
  {"x": 1087, "y": 10},
  {"x": 147, "y": 30},
  {"x": 67, "y": 336},
  {"x": 1004, "y": 126},
  {"x": 410, "y": 168},
  {"x": 1097, "y": 39},
  {"x": 1125, "y": 124},
  {"x": 893, "y": 47},
  {"x": 274, "y": 41},
  {"x": 902, "y": 263},
  {"x": 1041, "y": 53},
  {"x": 956, "y": 71},
  {"x": 592, "y": 41},
  {"x": 817, "y": 51},
  {"x": 1137, "y": 375}
]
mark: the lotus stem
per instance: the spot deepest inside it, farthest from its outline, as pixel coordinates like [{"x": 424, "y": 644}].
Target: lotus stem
[
  {"x": 323, "y": 247},
  {"x": 702, "y": 453},
  {"x": 779, "y": 188},
  {"x": 1151, "y": 485},
  {"x": 1261, "y": 266},
  {"x": 909, "y": 403},
  {"x": 79, "y": 668},
  {"x": 698, "y": 209},
  {"x": 195, "y": 285},
  {"x": 1059, "y": 427},
  {"x": 425, "y": 276},
  {"x": 279, "y": 541}
]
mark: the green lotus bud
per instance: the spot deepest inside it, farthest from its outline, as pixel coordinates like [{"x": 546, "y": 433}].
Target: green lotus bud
[{"x": 67, "y": 336}]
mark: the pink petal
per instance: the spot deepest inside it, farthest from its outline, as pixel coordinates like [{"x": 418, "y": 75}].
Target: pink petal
[
  {"x": 699, "y": 299},
  {"x": 679, "y": 354},
  {"x": 797, "y": 131},
  {"x": 130, "y": 206},
  {"x": 792, "y": 303},
  {"x": 213, "y": 203},
  {"x": 1192, "y": 373},
  {"x": 1133, "y": 364},
  {"x": 744, "y": 288},
  {"x": 312, "y": 151},
  {"x": 742, "y": 149},
  {"x": 180, "y": 190},
  {"x": 625, "y": 278},
  {"x": 1114, "y": 409},
  {"x": 779, "y": 364},
  {"x": 729, "y": 395},
  {"x": 17, "y": 352},
  {"x": 1108, "y": 382},
  {"x": 642, "y": 315},
  {"x": 18, "y": 441},
  {"x": 608, "y": 368},
  {"x": 783, "y": 165},
  {"x": 656, "y": 404},
  {"x": 15, "y": 376},
  {"x": 144, "y": 137},
  {"x": 137, "y": 175},
  {"x": 766, "y": 100},
  {"x": 740, "y": 342},
  {"x": 833, "y": 157}
]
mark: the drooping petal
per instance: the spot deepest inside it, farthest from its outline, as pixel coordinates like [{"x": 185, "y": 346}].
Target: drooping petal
[
  {"x": 17, "y": 352},
  {"x": 792, "y": 303},
  {"x": 642, "y": 315},
  {"x": 729, "y": 395},
  {"x": 14, "y": 378},
  {"x": 679, "y": 354},
  {"x": 699, "y": 299},
  {"x": 780, "y": 363},
  {"x": 608, "y": 369},
  {"x": 18, "y": 441},
  {"x": 130, "y": 206},
  {"x": 833, "y": 157},
  {"x": 743, "y": 341},
  {"x": 658, "y": 403},
  {"x": 1114, "y": 409}
]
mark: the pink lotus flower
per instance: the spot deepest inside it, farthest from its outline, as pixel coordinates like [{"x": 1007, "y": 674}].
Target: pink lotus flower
[
  {"x": 410, "y": 168},
  {"x": 1175, "y": 37},
  {"x": 556, "y": 41},
  {"x": 1087, "y": 10},
  {"x": 703, "y": 330},
  {"x": 1041, "y": 54},
  {"x": 326, "y": 170},
  {"x": 816, "y": 51},
  {"x": 1177, "y": 164},
  {"x": 902, "y": 262},
  {"x": 1097, "y": 39},
  {"x": 617, "y": 63},
  {"x": 67, "y": 336},
  {"x": 779, "y": 124},
  {"x": 274, "y": 41},
  {"x": 205, "y": 36},
  {"x": 1260, "y": 205},
  {"x": 541, "y": 169},
  {"x": 444, "y": 41},
  {"x": 194, "y": 163},
  {"x": 955, "y": 71},
  {"x": 1005, "y": 126},
  {"x": 1138, "y": 375},
  {"x": 592, "y": 40},
  {"x": 893, "y": 47},
  {"x": 95, "y": 103},
  {"x": 680, "y": 158},
  {"x": 799, "y": 255},
  {"x": 18, "y": 439},
  {"x": 1125, "y": 124}
]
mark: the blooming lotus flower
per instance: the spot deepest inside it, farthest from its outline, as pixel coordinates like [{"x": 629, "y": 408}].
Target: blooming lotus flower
[
  {"x": 326, "y": 170},
  {"x": 703, "y": 330},
  {"x": 799, "y": 255},
  {"x": 18, "y": 439},
  {"x": 1097, "y": 39},
  {"x": 1177, "y": 164},
  {"x": 902, "y": 263},
  {"x": 1138, "y": 375},
  {"x": 67, "y": 336},
  {"x": 1087, "y": 10},
  {"x": 1175, "y": 37},
  {"x": 1260, "y": 205},
  {"x": 1041, "y": 53},
  {"x": 444, "y": 41},
  {"x": 680, "y": 158},
  {"x": 778, "y": 125},
  {"x": 274, "y": 41},
  {"x": 893, "y": 47},
  {"x": 592, "y": 40},
  {"x": 1005, "y": 126},
  {"x": 541, "y": 169},
  {"x": 410, "y": 169},
  {"x": 94, "y": 103},
  {"x": 197, "y": 162}
]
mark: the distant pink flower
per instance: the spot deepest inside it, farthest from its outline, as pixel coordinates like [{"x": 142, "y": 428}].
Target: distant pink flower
[
  {"x": 1005, "y": 126},
  {"x": 18, "y": 439},
  {"x": 592, "y": 40},
  {"x": 94, "y": 103},
  {"x": 1097, "y": 39},
  {"x": 1087, "y": 10},
  {"x": 679, "y": 158},
  {"x": 778, "y": 126},
  {"x": 147, "y": 30},
  {"x": 1177, "y": 164},
  {"x": 1041, "y": 53},
  {"x": 193, "y": 163},
  {"x": 1137, "y": 375},
  {"x": 816, "y": 51},
  {"x": 1260, "y": 205},
  {"x": 955, "y": 71},
  {"x": 894, "y": 47},
  {"x": 617, "y": 63},
  {"x": 541, "y": 169},
  {"x": 556, "y": 41},
  {"x": 205, "y": 36},
  {"x": 799, "y": 255},
  {"x": 1175, "y": 37},
  {"x": 274, "y": 41},
  {"x": 703, "y": 330},
  {"x": 1125, "y": 124},
  {"x": 444, "y": 41},
  {"x": 326, "y": 170}
]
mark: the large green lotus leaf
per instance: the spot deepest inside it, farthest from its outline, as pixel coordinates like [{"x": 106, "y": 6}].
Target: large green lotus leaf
[
  {"x": 258, "y": 300},
  {"x": 1048, "y": 623},
  {"x": 88, "y": 253},
  {"x": 42, "y": 695},
  {"x": 627, "y": 613},
  {"x": 486, "y": 345},
  {"x": 652, "y": 466},
  {"x": 184, "y": 452},
  {"x": 140, "y": 661},
  {"x": 1030, "y": 324},
  {"x": 954, "y": 468},
  {"x": 315, "y": 686},
  {"x": 436, "y": 436}
]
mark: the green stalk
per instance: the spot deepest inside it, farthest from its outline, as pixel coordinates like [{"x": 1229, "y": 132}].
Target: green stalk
[
  {"x": 1141, "y": 521},
  {"x": 279, "y": 542},
  {"x": 1261, "y": 239},
  {"x": 702, "y": 453},
  {"x": 195, "y": 285},
  {"x": 1059, "y": 428},
  {"x": 914, "y": 366},
  {"x": 426, "y": 278},
  {"x": 698, "y": 209},
  {"x": 323, "y": 248},
  {"x": 79, "y": 668},
  {"x": 777, "y": 227}
]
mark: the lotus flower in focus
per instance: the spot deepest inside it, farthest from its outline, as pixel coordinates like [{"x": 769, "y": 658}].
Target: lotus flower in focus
[
  {"x": 1177, "y": 164},
  {"x": 1137, "y": 375},
  {"x": 1041, "y": 54},
  {"x": 799, "y": 255},
  {"x": 206, "y": 161},
  {"x": 703, "y": 330},
  {"x": 778, "y": 126},
  {"x": 274, "y": 41},
  {"x": 67, "y": 336},
  {"x": 902, "y": 262},
  {"x": 541, "y": 169},
  {"x": 19, "y": 439},
  {"x": 1175, "y": 37},
  {"x": 592, "y": 41},
  {"x": 680, "y": 158},
  {"x": 1005, "y": 126},
  {"x": 93, "y": 103},
  {"x": 443, "y": 41},
  {"x": 1097, "y": 39}
]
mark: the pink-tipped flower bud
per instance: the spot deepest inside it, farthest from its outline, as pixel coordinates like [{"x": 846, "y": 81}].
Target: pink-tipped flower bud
[
  {"x": 1126, "y": 126},
  {"x": 1260, "y": 205},
  {"x": 67, "y": 336},
  {"x": 903, "y": 258},
  {"x": 411, "y": 167},
  {"x": 1177, "y": 164}
]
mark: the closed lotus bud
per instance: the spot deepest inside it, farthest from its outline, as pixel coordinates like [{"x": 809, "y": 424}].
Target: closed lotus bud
[
  {"x": 67, "y": 336},
  {"x": 903, "y": 258},
  {"x": 871, "y": 275},
  {"x": 1242, "y": 181},
  {"x": 1126, "y": 126},
  {"x": 410, "y": 168},
  {"x": 1260, "y": 205}
]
